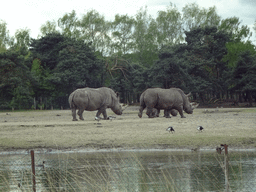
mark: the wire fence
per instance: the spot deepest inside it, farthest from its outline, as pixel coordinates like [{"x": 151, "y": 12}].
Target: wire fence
[{"x": 129, "y": 171}]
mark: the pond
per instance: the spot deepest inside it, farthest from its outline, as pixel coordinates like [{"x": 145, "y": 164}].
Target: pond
[{"x": 138, "y": 170}]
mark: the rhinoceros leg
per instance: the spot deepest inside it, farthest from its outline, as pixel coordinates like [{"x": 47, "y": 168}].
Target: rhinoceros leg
[
  {"x": 74, "y": 114},
  {"x": 140, "y": 111},
  {"x": 103, "y": 111},
  {"x": 150, "y": 112},
  {"x": 167, "y": 113},
  {"x": 80, "y": 113},
  {"x": 180, "y": 110}
]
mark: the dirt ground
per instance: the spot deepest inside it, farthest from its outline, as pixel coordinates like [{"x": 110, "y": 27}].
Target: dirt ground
[{"x": 51, "y": 130}]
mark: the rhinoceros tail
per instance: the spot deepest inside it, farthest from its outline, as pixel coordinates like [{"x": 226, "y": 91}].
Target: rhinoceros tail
[
  {"x": 142, "y": 102},
  {"x": 70, "y": 100}
]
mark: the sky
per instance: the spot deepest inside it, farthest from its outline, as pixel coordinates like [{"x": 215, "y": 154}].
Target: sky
[{"x": 32, "y": 14}]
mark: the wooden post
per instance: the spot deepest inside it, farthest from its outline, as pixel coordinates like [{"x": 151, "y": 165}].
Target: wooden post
[
  {"x": 33, "y": 170},
  {"x": 226, "y": 163}
]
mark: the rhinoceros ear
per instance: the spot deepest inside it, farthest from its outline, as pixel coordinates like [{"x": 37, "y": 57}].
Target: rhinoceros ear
[
  {"x": 117, "y": 94},
  {"x": 188, "y": 95}
]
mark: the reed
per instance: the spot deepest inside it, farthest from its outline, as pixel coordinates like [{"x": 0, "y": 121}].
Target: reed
[{"x": 131, "y": 171}]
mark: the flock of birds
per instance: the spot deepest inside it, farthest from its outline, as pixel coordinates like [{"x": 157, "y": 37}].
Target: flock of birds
[{"x": 171, "y": 129}]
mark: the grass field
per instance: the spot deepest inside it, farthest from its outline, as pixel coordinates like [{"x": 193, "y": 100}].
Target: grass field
[{"x": 54, "y": 129}]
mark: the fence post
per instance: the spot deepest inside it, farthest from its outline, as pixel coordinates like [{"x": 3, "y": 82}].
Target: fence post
[
  {"x": 33, "y": 170},
  {"x": 226, "y": 163}
]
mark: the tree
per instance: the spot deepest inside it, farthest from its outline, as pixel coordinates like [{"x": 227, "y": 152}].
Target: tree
[
  {"x": 15, "y": 78},
  {"x": 194, "y": 17},
  {"x": 244, "y": 75},
  {"x": 22, "y": 39},
  {"x": 94, "y": 30},
  {"x": 5, "y": 39},
  {"x": 122, "y": 39},
  {"x": 62, "y": 64},
  {"x": 69, "y": 25},
  {"x": 232, "y": 26},
  {"x": 207, "y": 48},
  {"x": 169, "y": 25},
  {"x": 48, "y": 27},
  {"x": 145, "y": 38}
]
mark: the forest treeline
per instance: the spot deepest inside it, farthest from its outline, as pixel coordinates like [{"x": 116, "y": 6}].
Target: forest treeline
[{"x": 195, "y": 50}]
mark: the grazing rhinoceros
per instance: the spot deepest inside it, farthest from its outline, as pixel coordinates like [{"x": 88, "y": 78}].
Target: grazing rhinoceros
[
  {"x": 167, "y": 99},
  {"x": 91, "y": 99}
]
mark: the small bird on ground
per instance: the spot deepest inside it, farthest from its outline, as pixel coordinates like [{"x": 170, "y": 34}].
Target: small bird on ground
[
  {"x": 170, "y": 129},
  {"x": 111, "y": 117},
  {"x": 200, "y": 128},
  {"x": 97, "y": 118}
]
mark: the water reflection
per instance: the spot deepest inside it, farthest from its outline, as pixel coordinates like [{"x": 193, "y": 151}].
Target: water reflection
[{"x": 129, "y": 171}]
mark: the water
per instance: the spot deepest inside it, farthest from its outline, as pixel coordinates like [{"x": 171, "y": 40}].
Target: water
[{"x": 129, "y": 171}]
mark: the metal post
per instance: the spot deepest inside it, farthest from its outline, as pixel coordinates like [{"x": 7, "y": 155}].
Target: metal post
[{"x": 33, "y": 170}]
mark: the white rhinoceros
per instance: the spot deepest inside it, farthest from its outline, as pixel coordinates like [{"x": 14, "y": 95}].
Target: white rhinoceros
[
  {"x": 167, "y": 99},
  {"x": 91, "y": 99}
]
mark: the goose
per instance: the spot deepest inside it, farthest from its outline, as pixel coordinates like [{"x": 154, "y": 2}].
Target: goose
[{"x": 170, "y": 129}]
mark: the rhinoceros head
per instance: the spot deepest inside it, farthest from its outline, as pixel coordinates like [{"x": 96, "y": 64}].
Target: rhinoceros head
[
  {"x": 189, "y": 107},
  {"x": 117, "y": 107}
]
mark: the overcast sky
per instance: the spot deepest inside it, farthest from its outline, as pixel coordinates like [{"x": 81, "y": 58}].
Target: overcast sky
[{"x": 31, "y": 14}]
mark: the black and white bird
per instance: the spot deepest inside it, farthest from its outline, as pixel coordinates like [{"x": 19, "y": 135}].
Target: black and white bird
[
  {"x": 97, "y": 118},
  {"x": 111, "y": 117},
  {"x": 170, "y": 129},
  {"x": 200, "y": 128}
]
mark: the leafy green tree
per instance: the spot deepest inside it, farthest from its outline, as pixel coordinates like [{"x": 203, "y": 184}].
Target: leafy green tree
[
  {"x": 232, "y": 26},
  {"x": 94, "y": 30},
  {"x": 63, "y": 64},
  {"x": 194, "y": 17},
  {"x": 244, "y": 75},
  {"x": 207, "y": 48},
  {"x": 68, "y": 25},
  {"x": 48, "y": 27},
  {"x": 234, "y": 49},
  {"x": 77, "y": 66},
  {"x": 145, "y": 38},
  {"x": 15, "y": 79},
  {"x": 169, "y": 26},
  {"x": 47, "y": 49},
  {"x": 5, "y": 39},
  {"x": 22, "y": 39},
  {"x": 122, "y": 39}
]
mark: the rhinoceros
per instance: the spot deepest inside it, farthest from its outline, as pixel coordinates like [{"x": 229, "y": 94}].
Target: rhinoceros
[
  {"x": 167, "y": 99},
  {"x": 91, "y": 99}
]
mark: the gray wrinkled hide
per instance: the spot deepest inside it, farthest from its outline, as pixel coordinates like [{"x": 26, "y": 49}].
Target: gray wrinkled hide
[
  {"x": 91, "y": 99},
  {"x": 167, "y": 99}
]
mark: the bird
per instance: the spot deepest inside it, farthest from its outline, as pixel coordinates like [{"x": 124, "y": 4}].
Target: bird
[
  {"x": 42, "y": 165},
  {"x": 219, "y": 149},
  {"x": 111, "y": 117},
  {"x": 195, "y": 149},
  {"x": 97, "y": 118},
  {"x": 170, "y": 129},
  {"x": 200, "y": 128}
]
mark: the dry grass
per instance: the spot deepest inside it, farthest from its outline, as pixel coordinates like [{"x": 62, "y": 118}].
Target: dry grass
[{"x": 54, "y": 129}]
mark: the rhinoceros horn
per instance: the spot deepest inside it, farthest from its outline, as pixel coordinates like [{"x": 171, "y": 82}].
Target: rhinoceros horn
[
  {"x": 124, "y": 106},
  {"x": 194, "y": 105}
]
